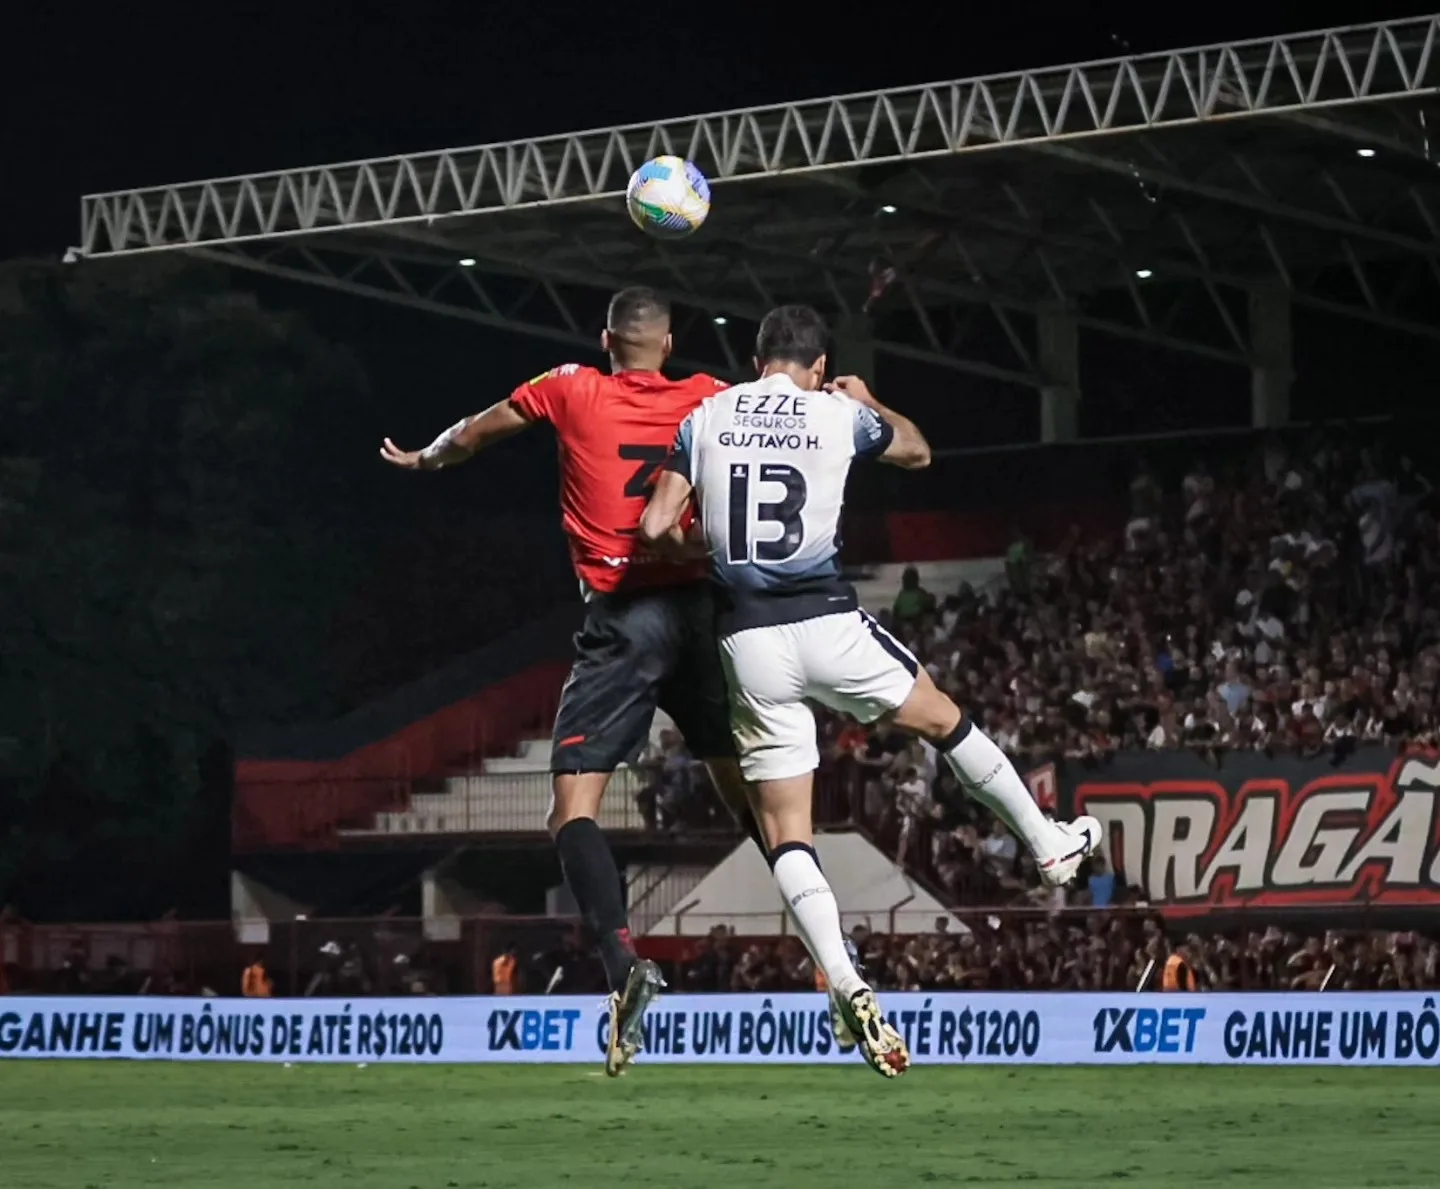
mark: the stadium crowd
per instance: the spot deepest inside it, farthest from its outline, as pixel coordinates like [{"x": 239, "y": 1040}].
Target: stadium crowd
[
  {"x": 1282, "y": 606},
  {"x": 1079, "y": 950},
  {"x": 1282, "y": 609},
  {"x": 1103, "y": 952}
]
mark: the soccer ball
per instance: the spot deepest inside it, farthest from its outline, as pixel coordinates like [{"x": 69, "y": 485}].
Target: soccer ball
[{"x": 668, "y": 197}]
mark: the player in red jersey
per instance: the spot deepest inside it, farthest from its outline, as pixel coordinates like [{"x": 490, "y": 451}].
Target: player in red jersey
[{"x": 648, "y": 639}]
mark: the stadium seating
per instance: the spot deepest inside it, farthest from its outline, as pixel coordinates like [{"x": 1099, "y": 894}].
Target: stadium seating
[
  {"x": 504, "y": 795},
  {"x": 509, "y": 794}
]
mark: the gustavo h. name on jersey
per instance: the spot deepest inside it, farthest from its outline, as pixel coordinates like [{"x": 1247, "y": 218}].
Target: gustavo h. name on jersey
[{"x": 778, "y": 413}]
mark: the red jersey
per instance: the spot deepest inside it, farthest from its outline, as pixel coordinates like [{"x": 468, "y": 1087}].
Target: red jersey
[{"x": 615, "y": 433}]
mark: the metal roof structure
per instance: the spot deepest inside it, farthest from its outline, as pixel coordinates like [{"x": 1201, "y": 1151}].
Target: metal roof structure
[{"x": 1145, "y": 196}]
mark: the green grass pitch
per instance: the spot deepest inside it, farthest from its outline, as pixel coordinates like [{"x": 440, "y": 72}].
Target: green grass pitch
[{"x": 113, "y": 1125}]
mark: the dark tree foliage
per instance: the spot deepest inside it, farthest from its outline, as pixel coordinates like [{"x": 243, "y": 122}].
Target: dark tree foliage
[{"x": 173, "y": 545}]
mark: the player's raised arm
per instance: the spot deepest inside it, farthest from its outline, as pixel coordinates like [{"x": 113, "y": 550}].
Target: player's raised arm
[
  {"x": 891, "y": 437},
  {"x": 461, "y": 440},
  {"x": 548, "y": 397}
]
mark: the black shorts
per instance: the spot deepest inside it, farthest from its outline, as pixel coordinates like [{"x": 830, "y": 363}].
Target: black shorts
[{"x": 637, "y": 652}]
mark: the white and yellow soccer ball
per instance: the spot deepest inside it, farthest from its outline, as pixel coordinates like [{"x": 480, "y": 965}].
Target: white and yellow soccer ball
[{"x": 668, "y": 197}]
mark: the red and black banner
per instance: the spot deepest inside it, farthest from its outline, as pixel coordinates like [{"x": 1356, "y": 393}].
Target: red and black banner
[{"x": 1254, "y": 831}]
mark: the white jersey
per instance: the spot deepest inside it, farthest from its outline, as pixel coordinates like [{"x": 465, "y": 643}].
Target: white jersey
[{"x": 769, "y": 462}]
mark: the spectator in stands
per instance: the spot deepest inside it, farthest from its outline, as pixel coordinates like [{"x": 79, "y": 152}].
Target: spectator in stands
[
  {"x": 1145, "y": 503},
  {"x": 1019, "y": 564},
  {"x": 999, "y": 848},
  {"x": 677, "y": 793},
  {"x": 913, "y": 602},
  {"x": 352, "y": 978},
  {"x": 713, "y": 965},
  {"x": 340, "y": 971},
  {"x": 1100, "y": 884},
  {"x": 755, "y": 971},
  {"x": 1108, "y": 951},
  {"x": 255, "y": 983},
  {"x": 796, "y": 969},
  {"x": 1179, "y": 973},
  {"x": 503, "y": 971},
  {"x": 1234, "y": 691},
  {"x": 676, "y": 768},
  {"x": 912, "y": 800},
  {"x": 411, "y": 978},
  {"x": 647, "y": 797}
]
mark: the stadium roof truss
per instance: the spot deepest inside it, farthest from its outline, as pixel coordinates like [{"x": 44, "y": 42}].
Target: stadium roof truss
[{"x": 1147, "y": 197}]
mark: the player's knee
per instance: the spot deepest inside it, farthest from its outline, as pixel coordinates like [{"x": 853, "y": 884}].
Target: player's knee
[
  {"x": 928, "y": 711},
  {"x": 783, "y": 809},
  {"x": 559, "y": 817},
  {"x": 555, "y": 819},
  {"x": 575, "y": 795}
]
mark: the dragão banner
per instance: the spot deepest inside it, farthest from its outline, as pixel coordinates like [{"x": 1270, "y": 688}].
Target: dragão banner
[
  {"x": 941, "y": 1029},
  {"x": 1260, "y": 831}
]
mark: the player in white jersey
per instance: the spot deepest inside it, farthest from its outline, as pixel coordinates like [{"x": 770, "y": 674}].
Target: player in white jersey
[{"x": 767, "y": 463}]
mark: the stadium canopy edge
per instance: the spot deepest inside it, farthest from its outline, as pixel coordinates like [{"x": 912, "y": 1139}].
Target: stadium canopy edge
[{"x": 1111, "y": 193}]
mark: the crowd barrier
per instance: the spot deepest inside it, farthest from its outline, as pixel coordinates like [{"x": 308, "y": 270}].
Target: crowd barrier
[{"x": 941, "y": 1029}]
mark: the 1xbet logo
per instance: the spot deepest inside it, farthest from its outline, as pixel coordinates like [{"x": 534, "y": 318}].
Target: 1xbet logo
[
  {"x": 1147, "y": 1029},
  {"x": 527, "y": 1030}
]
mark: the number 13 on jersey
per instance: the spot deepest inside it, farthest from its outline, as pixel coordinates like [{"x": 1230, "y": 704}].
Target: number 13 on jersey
[{"x": 766, "y": 504}]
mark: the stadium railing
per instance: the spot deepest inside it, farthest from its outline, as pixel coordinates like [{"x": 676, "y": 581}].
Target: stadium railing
[{"x": 326, "y": 813}]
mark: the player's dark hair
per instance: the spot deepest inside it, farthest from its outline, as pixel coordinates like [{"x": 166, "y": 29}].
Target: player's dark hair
[
  {"x": 791, "y": 334},
  {"x": 636, "y": 307}
]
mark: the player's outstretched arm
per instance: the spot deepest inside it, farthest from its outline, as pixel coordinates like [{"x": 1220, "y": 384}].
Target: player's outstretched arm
[
  {"x": 660, "y": 522},
  {"x": 501, "y": 420},
  {"x": 907, "y": 448}
]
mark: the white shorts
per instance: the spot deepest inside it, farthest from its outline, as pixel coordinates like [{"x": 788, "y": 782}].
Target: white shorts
[{"x": 847, "y": 662}]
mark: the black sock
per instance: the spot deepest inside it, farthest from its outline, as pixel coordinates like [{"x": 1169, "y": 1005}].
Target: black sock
[
  {"x": 948, "y": 743},
  {"x": 595, "y": 883}
]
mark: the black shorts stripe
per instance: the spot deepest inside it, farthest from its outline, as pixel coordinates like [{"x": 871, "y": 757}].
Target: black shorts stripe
[{"x": 891, "y": 645}]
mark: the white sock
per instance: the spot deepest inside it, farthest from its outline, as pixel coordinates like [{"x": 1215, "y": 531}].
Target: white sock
[
  {"x": 799, "y": 927},
  {"x": 851, "y": 950},
  {"x": 812, "y": 903},
  {"x": 985, "y": 773}
]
